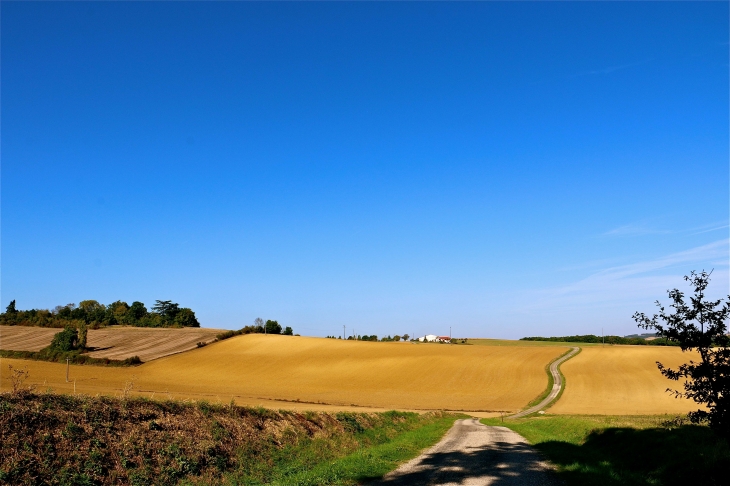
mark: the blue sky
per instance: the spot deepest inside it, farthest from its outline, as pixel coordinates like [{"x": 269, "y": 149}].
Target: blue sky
[{"x": 506, "y": 169}]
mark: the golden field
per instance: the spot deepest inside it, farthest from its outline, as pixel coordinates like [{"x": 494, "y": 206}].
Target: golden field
[
  {"x": 115, "y": 342},
  {"x": 622, "y": 380},
  {"x": 326, "y": 374},
  {"x": 256, "y": 369}
]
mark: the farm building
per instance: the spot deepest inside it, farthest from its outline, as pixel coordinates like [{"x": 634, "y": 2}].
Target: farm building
[{"x": 432, "y": 338}]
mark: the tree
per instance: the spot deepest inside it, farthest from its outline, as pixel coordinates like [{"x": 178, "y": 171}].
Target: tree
[
  {"x": 166, "y": 308},
  {"x": 406, "y": 337},
  {"x": 186, "y": 318},
  {"x": 259, "y": 323},
  {"x": 66, "y": 340},
  {"x": 91, "y": 306},
  {"x": 698, "y": 325},
  {"x": 118, "y": 309},
  {"x": 137, "y": 311},
  {"x": 10, "y": 309},
  {"x": 272, "y": 327},
  {"x": 288, "y": 331},
  {"x": 82, "y": 335}
]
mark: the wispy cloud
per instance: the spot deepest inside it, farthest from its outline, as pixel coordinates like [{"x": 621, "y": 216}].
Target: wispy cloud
[
  {"x": 634, "y": 230},
  {"x": 708, "y": 228},
  {"x": 640, "y": 229},
  {"x": 621, "y": 286}
]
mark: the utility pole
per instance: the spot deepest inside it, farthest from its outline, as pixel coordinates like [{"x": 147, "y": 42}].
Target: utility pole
[{"x": 66, "y": 370}]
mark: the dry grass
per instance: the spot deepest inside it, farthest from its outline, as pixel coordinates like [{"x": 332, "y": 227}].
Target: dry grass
[
  {"x": 117, "y": 342},
  {"x": 255, "y": 369},
  {"x": 57, "y": 439},
  {"x": 621, "y": 380}
]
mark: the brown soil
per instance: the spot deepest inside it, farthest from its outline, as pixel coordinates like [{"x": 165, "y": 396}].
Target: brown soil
[{"x": 116, "y": 342}]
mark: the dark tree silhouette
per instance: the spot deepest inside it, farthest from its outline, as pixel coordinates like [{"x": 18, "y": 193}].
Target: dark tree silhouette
[
  {"x": 10, "y": 309},
  {"x": 698, "y": 325}
]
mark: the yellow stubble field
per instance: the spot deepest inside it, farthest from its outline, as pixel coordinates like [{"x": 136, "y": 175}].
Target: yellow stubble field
[
  {"x": 622, "y": 380},
  {"x": 257, "y": 369}
]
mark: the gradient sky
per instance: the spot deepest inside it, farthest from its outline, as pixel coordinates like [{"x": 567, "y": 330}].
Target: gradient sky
[{"x": 506, "y": 169}]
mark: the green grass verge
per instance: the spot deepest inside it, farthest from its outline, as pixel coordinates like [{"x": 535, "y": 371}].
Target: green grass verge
[
  {"x": 564, "y": 381},
  {"x": 63, "y": 439},
  {"x": 626, "y": 450},
  {"x": 367, "y": 463},
  {"x": 551, "y": 382}
]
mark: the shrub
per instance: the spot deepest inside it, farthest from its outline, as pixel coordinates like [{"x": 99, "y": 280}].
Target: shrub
[{"x": 64, "y": 341}]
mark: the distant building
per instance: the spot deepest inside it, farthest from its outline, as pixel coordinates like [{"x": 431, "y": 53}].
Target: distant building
[{"x": 432, "y": 338}]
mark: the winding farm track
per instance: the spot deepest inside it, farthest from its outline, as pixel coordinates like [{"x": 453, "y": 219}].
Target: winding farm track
[
  {"x": 474, "y": 454},
  {"x": 557, "y": 385}
]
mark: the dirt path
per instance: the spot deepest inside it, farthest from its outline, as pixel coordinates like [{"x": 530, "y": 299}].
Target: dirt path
[
  {"x": 474, "y": 454},
  {"x": 557, "y": 386}
]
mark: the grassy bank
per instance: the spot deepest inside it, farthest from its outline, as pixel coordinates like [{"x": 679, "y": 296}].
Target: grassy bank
[
  {"x": 626, "y": 450},
  {"x": 62, "y": 439}
]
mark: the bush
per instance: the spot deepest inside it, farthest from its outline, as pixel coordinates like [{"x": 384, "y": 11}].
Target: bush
[
  {"x": 64, "y": 341},
  {"x": 272, "y": 327}
]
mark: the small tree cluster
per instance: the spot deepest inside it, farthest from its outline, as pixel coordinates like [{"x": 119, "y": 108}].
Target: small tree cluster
[
  {"x": 65, "y": 341},
  {"x": 258, "y": 327}
]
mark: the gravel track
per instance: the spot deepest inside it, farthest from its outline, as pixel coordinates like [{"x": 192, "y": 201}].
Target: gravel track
[
  {"x": 557, "y": 386},
  {"x": 473, "y": 454}
]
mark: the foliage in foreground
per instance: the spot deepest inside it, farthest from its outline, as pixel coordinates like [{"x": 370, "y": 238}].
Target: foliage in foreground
[
  {"x": 62, "y": 439},
  {"x": 698, "y": 325},
  {"x": 627, "y": 450}
]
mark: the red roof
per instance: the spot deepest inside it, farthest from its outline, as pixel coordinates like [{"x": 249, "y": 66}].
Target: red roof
[{"x": 445, "y": 338}]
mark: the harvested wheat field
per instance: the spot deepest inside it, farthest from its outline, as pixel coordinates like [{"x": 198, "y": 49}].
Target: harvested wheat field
[
  {"x": 256, "y": 369},
  {"x": 24, "y": 338},
  {"x": 116, "y": 342},
  {"x": 622, "y": 380}
]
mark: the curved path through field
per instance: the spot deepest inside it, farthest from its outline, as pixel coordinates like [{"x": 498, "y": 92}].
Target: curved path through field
[
  {"x": 474, "y": 454},
  {"x": 557, "y": 385}
]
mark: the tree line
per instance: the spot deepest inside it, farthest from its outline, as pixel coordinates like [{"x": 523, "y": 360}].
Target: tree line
[
  {"x": 373, "y": 337},
  {"x": 592, "y": 338},
  {"x": 92, "y": 314}
]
